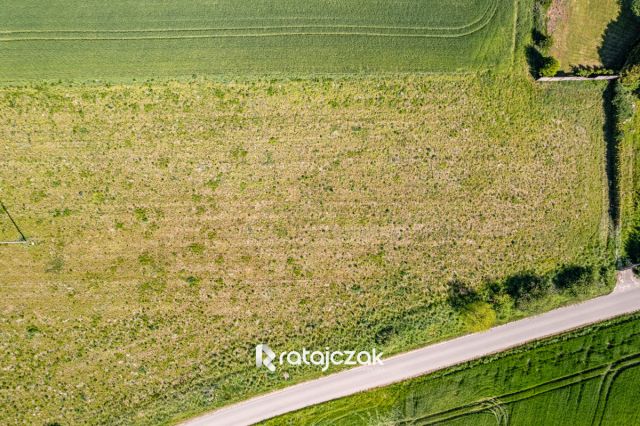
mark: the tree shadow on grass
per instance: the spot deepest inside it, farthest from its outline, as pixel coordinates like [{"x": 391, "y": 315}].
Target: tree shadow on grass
[
  {"x": 619, "y": 37},
  {"x": 611, "y": 139},
  {"x": 535, "y": 60}
]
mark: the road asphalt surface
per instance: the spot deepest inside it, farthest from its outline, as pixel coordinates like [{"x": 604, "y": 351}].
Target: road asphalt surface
[{"x": 625, "y": 299}]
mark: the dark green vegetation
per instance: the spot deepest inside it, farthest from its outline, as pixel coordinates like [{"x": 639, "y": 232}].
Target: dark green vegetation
[
  {"x": 541, "y": 63},
  {"x": 628, "y": 138},
  {"x": 630, "y": 75},
  {"x": 176, "y": 225},
  {"x": 121, "y": 40},
  {"x": 620, "y": 36},
  {"x": 591, "y": 376}
]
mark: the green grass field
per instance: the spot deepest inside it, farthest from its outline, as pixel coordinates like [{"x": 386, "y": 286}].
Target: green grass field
[
  {"x": 596, "y": 33},
  {"x": 591, "y": 376},
  {"x": 177, "y": 224},
  {"x": 173, "y": 224},
  {"x": 125, "y": 39}
]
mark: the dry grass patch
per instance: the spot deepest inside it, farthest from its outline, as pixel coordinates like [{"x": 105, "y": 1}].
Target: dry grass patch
[{"x": 177, "y": 225}]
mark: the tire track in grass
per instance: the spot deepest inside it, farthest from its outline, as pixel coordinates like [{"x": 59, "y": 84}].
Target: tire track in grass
[
  {"x": 607, "y": 372},
  {"x": 488, "y": 13},
  {"x": 269, "y": 31}
]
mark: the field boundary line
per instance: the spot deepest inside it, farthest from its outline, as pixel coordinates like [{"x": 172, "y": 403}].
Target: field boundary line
[
  {"x": 520, "y": 395},
  {"x": 576, "y": 78},
  {"x": 256, "y": 35},
  {"x": 514, "y": 35}
]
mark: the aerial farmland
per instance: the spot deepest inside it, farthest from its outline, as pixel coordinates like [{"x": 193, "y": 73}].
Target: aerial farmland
[
  {"x": 130, "y": 39},
  {"x": 184, "y": 180}
]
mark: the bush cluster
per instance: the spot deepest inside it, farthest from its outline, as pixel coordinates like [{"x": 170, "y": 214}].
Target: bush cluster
[
  {"x": 526, "y": 287},
  {"x": 550, "y": 67},
  {"x": 630, "y": 75},
  {"x": 541, "y": 62},
  {"x": 623, "y": 104},
  {"x": 591, "y": 71}
]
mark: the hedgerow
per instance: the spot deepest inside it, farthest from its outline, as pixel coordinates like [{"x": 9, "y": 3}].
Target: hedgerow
[{"x": 541, "y": 62}]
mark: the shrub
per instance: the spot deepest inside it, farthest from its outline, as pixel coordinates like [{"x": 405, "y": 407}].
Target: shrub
[
  {"x": 575, "y": 277},
  {"x": 541, "y": 40},
  {"x": 590, "y": 71},
  {"x": 527, "y": 286},
  {"x": 630, "y": 77},
  {"x": 632, "y": 245},
  {"x": 545, "y": 43},
  {"x": 634, "y": 57},
  {"x": 623, "y": 102},
  {"x": 478, "y": 316},
  {"x": 635, "y": 7},
  {"x": 550, "y": 67}
]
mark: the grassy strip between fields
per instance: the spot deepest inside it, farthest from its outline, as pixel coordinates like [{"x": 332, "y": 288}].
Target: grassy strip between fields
[{"x": 628, "y": 144}]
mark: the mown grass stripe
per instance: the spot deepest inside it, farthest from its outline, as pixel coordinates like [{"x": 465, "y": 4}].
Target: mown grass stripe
[
  {"x": 469, "y": 29},
  {"x": 487, "y": 14}
]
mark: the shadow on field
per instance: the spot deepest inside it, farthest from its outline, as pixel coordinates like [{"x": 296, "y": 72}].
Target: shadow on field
[
  {"x": 535, "y": 59},
  {"x": 5, "y": 212},
  {"x": 527, "y": 286},
  {"x": 619, "y": 37},
  {"x": 611, "y": 139}
]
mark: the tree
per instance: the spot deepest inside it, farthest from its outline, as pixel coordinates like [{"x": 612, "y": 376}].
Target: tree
[
  {"x": 550, "y": 67},
  {"x": 527, "y": 286}
]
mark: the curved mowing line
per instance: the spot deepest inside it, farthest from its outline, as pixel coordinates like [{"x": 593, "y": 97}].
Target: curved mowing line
[
  {"x": 488, "y": 12},
  {"x": 607, "y": 372},
  {"x": 473, "y": 27},
  {"x": 255, "y": 35},
  {"x": 607, "y": 383}
]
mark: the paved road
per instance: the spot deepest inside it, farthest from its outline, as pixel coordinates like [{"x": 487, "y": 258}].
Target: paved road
[
  {"x": 625, "y": 299},
  {"x": 575, "y": 78}
]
